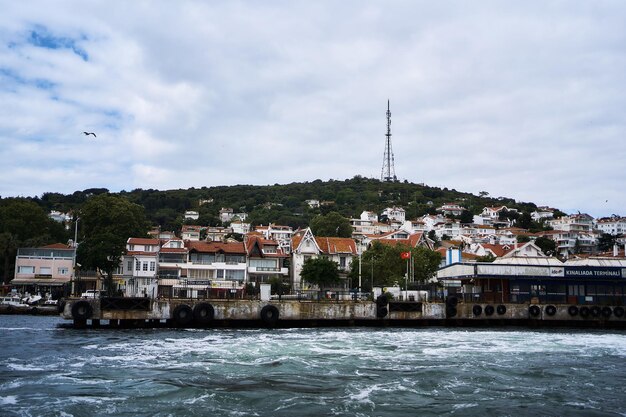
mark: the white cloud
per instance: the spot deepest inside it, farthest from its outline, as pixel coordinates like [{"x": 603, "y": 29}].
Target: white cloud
[{"x": 522, "y": 100}]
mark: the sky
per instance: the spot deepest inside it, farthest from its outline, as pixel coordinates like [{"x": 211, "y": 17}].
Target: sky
[{"x": 525, "y": 100}]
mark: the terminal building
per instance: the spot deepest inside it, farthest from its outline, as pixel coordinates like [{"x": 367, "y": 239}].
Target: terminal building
[{"x": 598, "y": 281}]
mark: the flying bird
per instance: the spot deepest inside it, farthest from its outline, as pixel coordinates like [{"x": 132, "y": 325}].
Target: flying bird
[{"x": 89, "y": 133}]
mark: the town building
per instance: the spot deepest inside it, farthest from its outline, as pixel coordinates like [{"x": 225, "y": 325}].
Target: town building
[
  {"x": 305, "y": 246},
  {"x": 46, "y": 269}
]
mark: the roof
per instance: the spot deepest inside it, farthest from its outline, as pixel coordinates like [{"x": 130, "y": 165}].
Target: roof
[
  {"x": 333, "y": 245},
  {"x": 529, "y": 260},
  {"x": 498, "y": 250},
  {"x": 213, "y": 247},
  {"x": 261, "y": 243},
  {"x": 142, "y": 241},
  {"x": 56, "y": 246}
]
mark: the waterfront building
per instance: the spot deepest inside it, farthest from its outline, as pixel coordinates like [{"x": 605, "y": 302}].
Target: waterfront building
[
  {"x": 266, "y": 260},
  {"x": 137, "y": 273},
  {"x": 173, "y": 259},
  {"x": 538, "y": 280},
  {"x": 214, "y": 269},
  {"x": 46, "y": 269},
  {"x": 305, "y": 246}
]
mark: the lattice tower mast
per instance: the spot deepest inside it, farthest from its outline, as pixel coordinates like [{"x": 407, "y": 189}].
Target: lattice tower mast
[{"x": 388, "y": 172}]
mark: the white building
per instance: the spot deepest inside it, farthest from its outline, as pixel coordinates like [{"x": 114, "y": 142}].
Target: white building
[
  {"x": 191, "y": 215},
  {"x": 614, "y": 225},
  {"x": 138, "y": 268},
  {"x": 305, "y": 246},
  {"x": 451, "y": 208},
  {"x": 394, "y": 214}
]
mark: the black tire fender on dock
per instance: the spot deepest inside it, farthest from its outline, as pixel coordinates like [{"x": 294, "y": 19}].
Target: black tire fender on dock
[
  {"x": 82, "y": 310},
  {"x": 382, "y": 311},
  {"x": 534, "y": 310},
  {"x": 451, "y": 312},
  {"x": 182, "y": 315},
  {"x": 269, "y": 314},
  {"x": 619, "y": 312},
  {"x": 573, "y": 311},
  {"x": 489, "y": 310},
  {"x": 595, "y": 311},
  {"x": 584, "y": 312},
  {"x": 203, "y": 313},
  {"x": 501, "y": 309},
  {"x": 10, "y": 309},
  {"x": 550, "y": 310},
  {"x": 477, "y": 310},
  {"x": 606, "y": 312},
  {"x": 61, "y": 306},
  {"x": 34, "y": 311}
]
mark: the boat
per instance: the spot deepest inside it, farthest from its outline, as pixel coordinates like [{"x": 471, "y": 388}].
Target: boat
[{"x": 13, "y": 303}]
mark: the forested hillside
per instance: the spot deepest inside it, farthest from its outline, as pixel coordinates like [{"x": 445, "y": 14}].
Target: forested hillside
[{"x": 285, "y": 204}]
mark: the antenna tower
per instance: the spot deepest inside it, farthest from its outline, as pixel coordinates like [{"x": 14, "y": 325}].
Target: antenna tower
[{"x": 388, "y": 173}]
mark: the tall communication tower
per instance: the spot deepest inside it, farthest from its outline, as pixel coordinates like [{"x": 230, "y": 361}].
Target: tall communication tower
[{"x": 388, "y": 172}]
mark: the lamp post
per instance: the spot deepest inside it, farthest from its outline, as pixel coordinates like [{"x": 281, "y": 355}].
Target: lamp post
[{"x": 75, "y": 245}]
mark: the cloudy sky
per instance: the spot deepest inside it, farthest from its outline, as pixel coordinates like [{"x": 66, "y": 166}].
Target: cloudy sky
[{"x": 520, "y": 99}]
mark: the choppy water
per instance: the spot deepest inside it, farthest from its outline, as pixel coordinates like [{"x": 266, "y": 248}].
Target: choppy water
[{"x": 48, "y": 371}]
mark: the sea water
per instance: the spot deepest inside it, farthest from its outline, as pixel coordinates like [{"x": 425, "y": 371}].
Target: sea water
[{"x": 50, "y": 371}]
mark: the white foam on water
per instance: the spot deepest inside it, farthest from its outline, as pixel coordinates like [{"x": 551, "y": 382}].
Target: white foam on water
[
  {"x": 464, "y": 406},
  {"x": 8, "y": 400},
  {"x": 198, "y": 399},
  {"x": 24, "y": 367}
]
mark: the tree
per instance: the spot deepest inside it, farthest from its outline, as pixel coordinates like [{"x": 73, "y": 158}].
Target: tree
[
  {"x": 321, "y": 272},
  {"x": 383, "y": 265},
  {"x": 107, "y": 223},
  {"x": 486, "y": 258},
  {"x": 606, "y": 242},
  {"x": 525, "y": 221},
  {"x": 331, "y": 224},
  {"x": 24, "y": 223},
  {"x": 547, "y": 246},
  {"x": 466, "y": 217}
]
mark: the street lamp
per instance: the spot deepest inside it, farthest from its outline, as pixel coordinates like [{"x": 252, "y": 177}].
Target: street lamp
[{"x": 74, "y": 264}]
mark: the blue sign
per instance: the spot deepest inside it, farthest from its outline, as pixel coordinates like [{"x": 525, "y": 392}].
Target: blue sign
[{"x": 593, "y": 272}]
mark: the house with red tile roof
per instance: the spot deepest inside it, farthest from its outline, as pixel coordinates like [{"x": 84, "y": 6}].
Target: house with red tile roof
[
  {"x": 305, "y": 246},
  {"x": 266, "y": 259},
  {"x": 402, "y": 237}
]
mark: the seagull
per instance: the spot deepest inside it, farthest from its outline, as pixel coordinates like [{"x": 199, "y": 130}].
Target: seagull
[{"x": 89, "y": 133}]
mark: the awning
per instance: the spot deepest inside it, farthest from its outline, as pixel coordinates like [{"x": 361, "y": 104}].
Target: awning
[{"x": 51, "y": 282}]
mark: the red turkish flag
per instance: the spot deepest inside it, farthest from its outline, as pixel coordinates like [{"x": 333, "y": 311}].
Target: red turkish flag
[{"x": 405, "y": 255}]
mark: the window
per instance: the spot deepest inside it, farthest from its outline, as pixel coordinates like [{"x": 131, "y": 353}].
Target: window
[
  {"x": 145, "y": 266},
  {"x": 152, "y": 265},
  {"x": 263, "y": 263},
  {"x": 237, "y": 275},
  {"x": 220, "y": 273},
  {"x": 129, "y": 266},
  {"x": 342, "y": 262},
  {"x": 45, "y": 270},
  {"x": 25, "y": 269},
  {"x": 137, "y": 265},
  {"x": 63, "y": 270}
]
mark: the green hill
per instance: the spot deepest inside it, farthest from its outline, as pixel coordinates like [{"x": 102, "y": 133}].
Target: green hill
[{"x": 285, "y": 204}]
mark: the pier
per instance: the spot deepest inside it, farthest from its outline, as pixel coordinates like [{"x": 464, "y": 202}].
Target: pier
[{"x": 136, "y": 312}]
